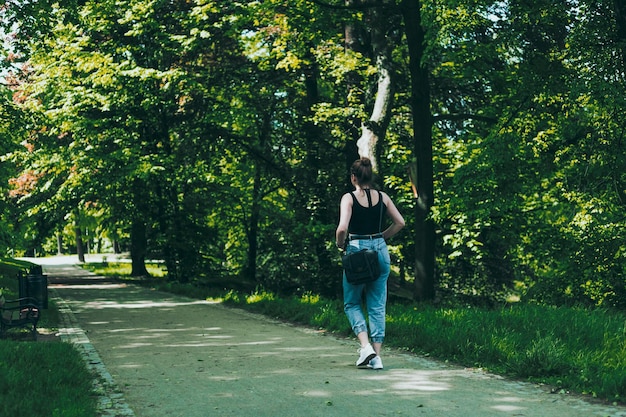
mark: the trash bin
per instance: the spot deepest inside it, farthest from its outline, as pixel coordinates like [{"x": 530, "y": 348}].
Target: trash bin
[
  {"x": 36, "y": 270},
  {"x": 34, "y": 286},
  {"x": 38, "y": 288}
]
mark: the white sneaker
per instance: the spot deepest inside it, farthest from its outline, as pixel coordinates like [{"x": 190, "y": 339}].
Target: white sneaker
[
  {"x": 366, "y": 354},
  {"x": 375, "y": 363}
]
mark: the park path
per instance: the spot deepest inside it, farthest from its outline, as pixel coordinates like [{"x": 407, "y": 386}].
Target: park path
[{"x": 159, "y": 354}]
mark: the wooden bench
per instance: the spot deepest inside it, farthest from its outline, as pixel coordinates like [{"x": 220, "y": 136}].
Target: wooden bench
[{"x": 22, "y": 312}]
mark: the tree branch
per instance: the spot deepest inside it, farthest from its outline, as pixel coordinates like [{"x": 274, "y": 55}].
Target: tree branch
[
  {"x": 463, "y": 116},
  {"x": 364, "y": 6}
]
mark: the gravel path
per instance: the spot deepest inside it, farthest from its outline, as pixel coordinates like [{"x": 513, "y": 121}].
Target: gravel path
[{"x": 158, "y": 354}]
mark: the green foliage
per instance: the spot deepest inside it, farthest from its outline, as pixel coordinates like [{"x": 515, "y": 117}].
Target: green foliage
[
  {"x": 532, "y": 194},
  {"x": 11, "y": 131},
  {"x": 9, "y": 270},
  {"x": 217, "y": 136}
]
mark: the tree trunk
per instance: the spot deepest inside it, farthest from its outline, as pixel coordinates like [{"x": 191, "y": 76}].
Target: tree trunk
[
  {"x": 80, "y": 247},
  {"x": 138, "y": 248},
  {"x": 60, "y": 242},
  {"x": 257, "y": 198},
  {"x": 373, "y": 130},
  {"x": 424, "y": 287},
  {"x": 253, "y": 227}
]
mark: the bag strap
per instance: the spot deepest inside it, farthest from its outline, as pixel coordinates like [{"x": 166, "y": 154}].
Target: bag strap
[
  {"x": 380, "y": 220},
  {"x": 369, "y": 197}
]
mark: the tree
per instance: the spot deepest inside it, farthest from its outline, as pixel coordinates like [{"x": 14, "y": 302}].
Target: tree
[
  {"x": 216, "y": 135},
  {"x": 11, "y": 133},
  {"x": 422, "y": 149}
]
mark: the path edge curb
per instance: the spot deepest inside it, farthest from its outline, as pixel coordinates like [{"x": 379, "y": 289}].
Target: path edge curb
[{"x": 111, "y": 401}]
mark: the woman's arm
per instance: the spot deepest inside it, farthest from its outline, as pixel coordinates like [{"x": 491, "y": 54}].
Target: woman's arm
[
  {"x": 395, "y": 216},
  {"x": 345, "y": 213}
]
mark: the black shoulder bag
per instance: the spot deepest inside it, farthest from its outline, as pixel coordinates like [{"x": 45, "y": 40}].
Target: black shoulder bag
[{"x": 362, "y": 267}]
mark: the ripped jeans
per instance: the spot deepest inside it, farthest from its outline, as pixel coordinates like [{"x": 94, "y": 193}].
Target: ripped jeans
[{"x": 375, "y": 293}]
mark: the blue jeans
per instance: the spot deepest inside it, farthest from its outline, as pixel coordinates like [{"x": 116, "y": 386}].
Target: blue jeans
[{"x": 375, "y": 293}]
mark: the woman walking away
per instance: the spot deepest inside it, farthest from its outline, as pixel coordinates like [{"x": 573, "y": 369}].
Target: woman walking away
[{"x": 360, "y": 228}]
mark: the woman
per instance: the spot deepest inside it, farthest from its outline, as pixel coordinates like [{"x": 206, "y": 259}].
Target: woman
[{"x": 360, "y": 228}]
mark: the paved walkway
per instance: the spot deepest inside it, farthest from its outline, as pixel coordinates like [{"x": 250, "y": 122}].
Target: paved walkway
[{"x": 158, "y": 354}]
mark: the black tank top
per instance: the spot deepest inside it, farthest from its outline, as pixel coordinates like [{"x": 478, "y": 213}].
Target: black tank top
[{"x": 366, "y": 220}]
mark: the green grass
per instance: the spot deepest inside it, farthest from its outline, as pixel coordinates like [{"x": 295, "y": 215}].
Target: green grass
[
  {"x": 573, "y": 349},
  {"x": 123, "y": 269},
  {"x": 44, "y": 379},
  {"x": 577, "y": 349},
  {"x": 47, "y": 379}
]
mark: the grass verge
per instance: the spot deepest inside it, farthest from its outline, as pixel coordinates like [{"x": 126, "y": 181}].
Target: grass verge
[
  {"x": 44, "y": 379},
  {"x": 47, "y": 379}
]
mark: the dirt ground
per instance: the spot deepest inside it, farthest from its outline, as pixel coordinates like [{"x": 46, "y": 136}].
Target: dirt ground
[{"x": 158, "y": 354}]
